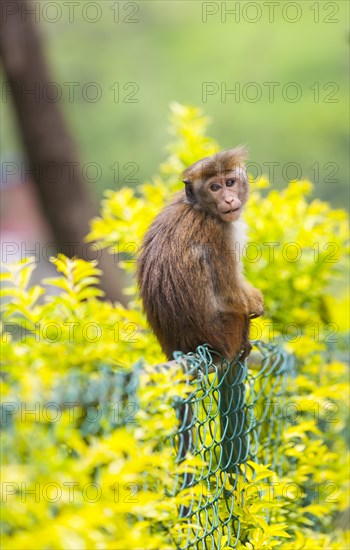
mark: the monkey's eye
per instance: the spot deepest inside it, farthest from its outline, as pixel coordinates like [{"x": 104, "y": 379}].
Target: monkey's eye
[
  {"x": 230, "y": 183},
  {"x": 214, "y": 187}
]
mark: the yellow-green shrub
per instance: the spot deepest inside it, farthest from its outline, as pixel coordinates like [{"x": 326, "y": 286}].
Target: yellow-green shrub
[
  {"x": 92, "y": 481},
  {"x": 300, "y": 303},
  {"x": 297, "y": 256}
]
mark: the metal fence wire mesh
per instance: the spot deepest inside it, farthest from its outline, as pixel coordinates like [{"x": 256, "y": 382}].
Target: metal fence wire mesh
[{"x": 233, "y": 415}]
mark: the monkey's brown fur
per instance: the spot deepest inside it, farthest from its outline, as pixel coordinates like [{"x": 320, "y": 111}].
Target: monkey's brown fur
[{"x": 189, "y": 272}]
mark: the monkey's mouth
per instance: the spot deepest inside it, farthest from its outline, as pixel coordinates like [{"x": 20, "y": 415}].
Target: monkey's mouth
[{"x": 231, "y": 211}]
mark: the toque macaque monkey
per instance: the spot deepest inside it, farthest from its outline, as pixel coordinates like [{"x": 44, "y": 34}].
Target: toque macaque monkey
[{"x": 189, "y": 270}]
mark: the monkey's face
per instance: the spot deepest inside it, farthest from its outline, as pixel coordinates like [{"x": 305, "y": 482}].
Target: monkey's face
[
  {"x": 224, "y": 195},
  {"x": 218, "y": 184}
]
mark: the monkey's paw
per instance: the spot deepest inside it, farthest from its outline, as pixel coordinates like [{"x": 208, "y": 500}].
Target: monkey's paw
[{"x": 256, "y": 303}]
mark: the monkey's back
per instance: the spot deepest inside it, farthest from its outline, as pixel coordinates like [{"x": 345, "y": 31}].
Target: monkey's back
[{"x": 186, "y": 280}]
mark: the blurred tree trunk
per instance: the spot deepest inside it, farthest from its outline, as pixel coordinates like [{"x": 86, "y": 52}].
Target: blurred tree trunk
[{"x": 50, "y": 149}]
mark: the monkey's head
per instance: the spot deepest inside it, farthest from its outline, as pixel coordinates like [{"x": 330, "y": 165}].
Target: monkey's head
[{"x": 218, "y": 184}]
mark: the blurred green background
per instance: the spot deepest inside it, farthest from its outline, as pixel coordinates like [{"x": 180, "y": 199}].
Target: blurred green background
[{"x": 156, "y": 52}]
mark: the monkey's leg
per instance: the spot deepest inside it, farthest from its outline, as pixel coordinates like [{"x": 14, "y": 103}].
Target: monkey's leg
[
  {"x": 185, "y": 416},
  {"x": 234, "y": 443}
]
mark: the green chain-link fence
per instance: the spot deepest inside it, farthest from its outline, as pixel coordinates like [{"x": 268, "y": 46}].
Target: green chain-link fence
[{"x": 234, "y": 414}]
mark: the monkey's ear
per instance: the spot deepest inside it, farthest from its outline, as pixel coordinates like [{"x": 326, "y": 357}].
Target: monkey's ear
[{"x": 190, "y": 196}]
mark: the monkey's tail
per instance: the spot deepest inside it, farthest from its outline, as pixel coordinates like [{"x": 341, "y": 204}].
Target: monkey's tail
[
  {"x": 185, "y": 445},
  {"x": 234, "y": 441}
]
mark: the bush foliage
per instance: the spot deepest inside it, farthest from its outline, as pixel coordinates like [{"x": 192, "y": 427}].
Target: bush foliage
[{"x": 109, "y": 483}]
